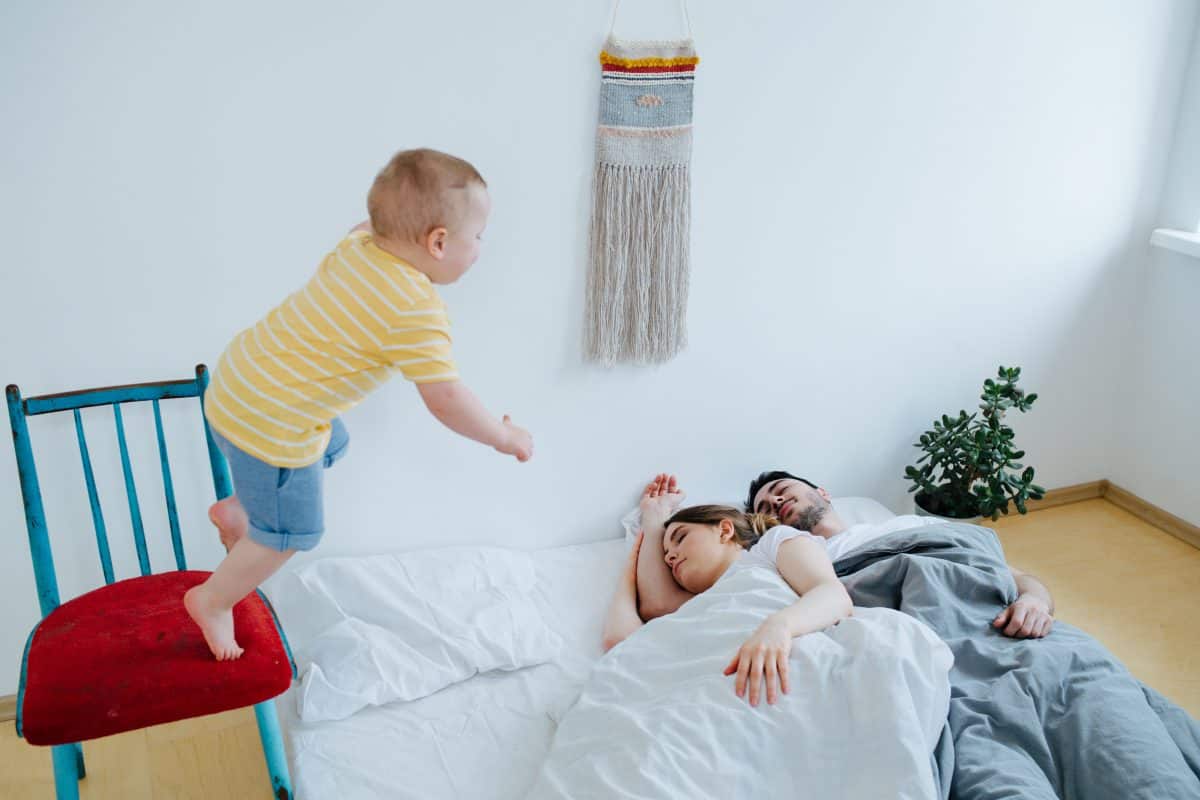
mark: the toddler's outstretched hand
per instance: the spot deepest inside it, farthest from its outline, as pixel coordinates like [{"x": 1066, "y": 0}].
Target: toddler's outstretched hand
[{"x": 517, "y": 441}]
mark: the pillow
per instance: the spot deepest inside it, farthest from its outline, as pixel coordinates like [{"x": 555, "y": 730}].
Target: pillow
[
  {"x": 852, "y": 510},
  {"x": 372, "y": 630},
  {"x": 857, "y": 510}
]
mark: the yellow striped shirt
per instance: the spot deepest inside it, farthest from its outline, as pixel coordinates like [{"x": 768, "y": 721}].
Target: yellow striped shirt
[{"x": 364, "y": 316}]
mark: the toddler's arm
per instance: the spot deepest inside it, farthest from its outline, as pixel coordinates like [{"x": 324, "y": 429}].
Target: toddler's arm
[{"x": 457, "y": 407}]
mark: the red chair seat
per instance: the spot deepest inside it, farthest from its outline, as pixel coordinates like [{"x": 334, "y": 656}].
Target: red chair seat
[{"x": 127, "y": 655}]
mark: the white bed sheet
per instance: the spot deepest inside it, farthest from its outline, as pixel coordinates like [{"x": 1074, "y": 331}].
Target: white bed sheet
[{"x": 483, "y": 738}]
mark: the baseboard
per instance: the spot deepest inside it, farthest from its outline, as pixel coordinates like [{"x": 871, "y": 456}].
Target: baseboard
[
  {"x": 1122, "y": 498},
  {"x": 8, "y": 707},
  {"x": 1069, "y": 494},
  {"x": 1148, "y": 512}
]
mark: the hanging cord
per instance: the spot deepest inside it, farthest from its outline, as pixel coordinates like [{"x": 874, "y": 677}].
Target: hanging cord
[{"x": 687, "y": 19}]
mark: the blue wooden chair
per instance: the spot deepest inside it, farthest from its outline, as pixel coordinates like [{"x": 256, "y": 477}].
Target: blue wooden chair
[{"x": 126, "y": 655}]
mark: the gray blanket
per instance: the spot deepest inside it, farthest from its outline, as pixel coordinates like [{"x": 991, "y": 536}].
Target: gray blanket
[{"x": 1030, "y": 719}]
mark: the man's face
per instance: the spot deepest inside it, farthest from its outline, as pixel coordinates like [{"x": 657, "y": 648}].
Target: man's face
[{"x": 795, "y": 503}]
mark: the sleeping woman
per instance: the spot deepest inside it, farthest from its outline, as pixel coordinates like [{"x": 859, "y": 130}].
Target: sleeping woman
[{"x": 700, "y": 544}]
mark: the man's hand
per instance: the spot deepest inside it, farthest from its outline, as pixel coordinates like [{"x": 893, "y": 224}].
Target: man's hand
[
  {"x": 763, "y": 659},
  {"x": 1028, "y": 618},
  {"x": 660, "y": 499},
  {"x": 516, "y": 442}
]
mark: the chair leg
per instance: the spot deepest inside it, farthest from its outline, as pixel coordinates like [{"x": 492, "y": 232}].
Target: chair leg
[
  {"x": 66, "y": 771},
  {"x": 272, "y": 744},
  {"x": 81, "y": 768}
]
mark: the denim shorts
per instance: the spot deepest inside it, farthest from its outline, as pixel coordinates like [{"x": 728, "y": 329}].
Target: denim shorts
[{"x": 285, "y": 506}]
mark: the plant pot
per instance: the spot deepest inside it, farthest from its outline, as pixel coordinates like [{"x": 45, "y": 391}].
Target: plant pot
[{"x": 919, "y": 498}]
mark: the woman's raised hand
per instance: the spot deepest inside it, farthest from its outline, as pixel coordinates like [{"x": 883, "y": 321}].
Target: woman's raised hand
[
  {"x": 763, "y": 659},
  {"x": 661, "y": 498}
]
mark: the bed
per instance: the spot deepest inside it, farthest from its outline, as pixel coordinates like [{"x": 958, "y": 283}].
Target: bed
[{"x": 484, "y": 737}]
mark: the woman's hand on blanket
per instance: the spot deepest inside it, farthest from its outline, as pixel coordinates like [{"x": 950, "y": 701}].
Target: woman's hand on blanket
[
  {"x": 1028, "y": 618},
  {"x": 762, "y": 662},
  {"x": 661, "y": 498}
]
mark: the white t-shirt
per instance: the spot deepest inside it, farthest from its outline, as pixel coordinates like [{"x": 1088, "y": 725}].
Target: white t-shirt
[{"x": 766, "y": 550}]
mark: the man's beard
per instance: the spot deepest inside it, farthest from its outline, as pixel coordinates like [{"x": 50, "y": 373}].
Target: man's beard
[{"x": 810, "y": 517}]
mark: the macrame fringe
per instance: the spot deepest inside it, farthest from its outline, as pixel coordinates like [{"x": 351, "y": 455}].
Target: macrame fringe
[{"x": 638, "y": 264}]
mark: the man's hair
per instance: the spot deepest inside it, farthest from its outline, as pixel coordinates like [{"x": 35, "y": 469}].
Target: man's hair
[
  {"x": 767, "y": 477},
  {"x": 417, "y": 191}
]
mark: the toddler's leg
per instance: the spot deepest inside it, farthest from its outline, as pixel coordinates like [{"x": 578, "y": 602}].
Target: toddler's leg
[
  {"x": 230, "y": 519},
  {"x": 211, "y": 603}
]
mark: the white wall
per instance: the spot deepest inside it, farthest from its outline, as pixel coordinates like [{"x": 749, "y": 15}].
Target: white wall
[
  {"x": 889, "y": 200},
  {"x": 1158, "y": 455}
]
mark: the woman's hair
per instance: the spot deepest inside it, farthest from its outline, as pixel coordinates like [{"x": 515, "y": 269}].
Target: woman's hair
[{"x": 747, "y": 528}]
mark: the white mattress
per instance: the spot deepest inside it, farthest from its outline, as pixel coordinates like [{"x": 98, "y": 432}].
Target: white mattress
[
  {"x": 483, "y": 738},
  {"x": 487, "y": 737}
]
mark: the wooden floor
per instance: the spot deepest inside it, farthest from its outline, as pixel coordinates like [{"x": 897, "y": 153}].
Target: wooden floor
[
  {"x": 1122, "y": 580},
  {"x": 1129, "y": 584}
]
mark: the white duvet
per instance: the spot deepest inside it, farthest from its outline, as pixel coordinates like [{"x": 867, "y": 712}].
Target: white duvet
[{"x": 658, "y": 719}]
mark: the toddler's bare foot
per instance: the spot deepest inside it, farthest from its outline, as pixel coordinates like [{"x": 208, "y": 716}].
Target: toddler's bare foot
[
  {"x": 230, "y": 519},
  {"x": 215, "y": 624}
]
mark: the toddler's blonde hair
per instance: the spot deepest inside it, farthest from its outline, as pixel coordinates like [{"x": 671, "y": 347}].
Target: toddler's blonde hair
[{"x": 417, "y": 191}]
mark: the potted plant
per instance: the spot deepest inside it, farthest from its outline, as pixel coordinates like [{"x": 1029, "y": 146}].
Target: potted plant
[{"x": 969, "y": 468}]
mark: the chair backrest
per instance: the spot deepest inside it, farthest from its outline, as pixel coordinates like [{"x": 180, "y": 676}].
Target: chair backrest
[{"x": 35, "y": 520}]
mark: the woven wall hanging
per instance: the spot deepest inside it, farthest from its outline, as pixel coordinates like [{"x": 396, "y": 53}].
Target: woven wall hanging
[{"x": 638, "y": 259}]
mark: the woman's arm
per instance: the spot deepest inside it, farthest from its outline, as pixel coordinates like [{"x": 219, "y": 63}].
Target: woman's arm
[
  {"x": 805, "y": 566},
  {"x": 623, "y": 618},
  {"x": 658, "y": 593}
]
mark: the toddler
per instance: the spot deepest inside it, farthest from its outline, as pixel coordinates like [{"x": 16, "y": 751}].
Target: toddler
[{"x": 371, "y": 310}]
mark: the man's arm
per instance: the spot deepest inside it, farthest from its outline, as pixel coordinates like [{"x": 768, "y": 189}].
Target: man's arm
[
  {"x": 658, "y": 593},
  {"x": 1031, "y": 616}
]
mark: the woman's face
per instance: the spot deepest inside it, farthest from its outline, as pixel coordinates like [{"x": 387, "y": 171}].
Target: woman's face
[{"x": 699, "y": 554}]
